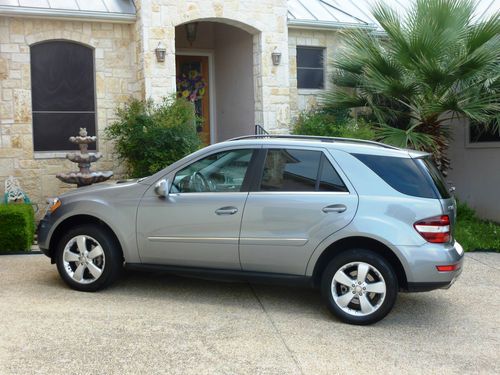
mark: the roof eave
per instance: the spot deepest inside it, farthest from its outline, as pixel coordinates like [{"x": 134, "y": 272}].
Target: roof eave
[
  {"x": 328, "y": 25},
  {"x": 69, "y": 15}
]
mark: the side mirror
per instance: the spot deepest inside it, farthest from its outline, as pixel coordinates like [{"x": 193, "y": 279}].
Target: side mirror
[{"x": 162, "y": 188}]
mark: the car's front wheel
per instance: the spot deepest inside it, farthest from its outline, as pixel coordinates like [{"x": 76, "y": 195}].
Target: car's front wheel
[
  {"x": 88, "y": 258},
  {"x": 359, "y": 286}
]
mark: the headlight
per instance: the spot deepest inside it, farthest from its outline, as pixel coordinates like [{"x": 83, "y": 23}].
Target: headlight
[{"x": 53, "y": 205}]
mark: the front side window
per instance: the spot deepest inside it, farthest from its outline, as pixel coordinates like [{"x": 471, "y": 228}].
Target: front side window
[
  {"x": 299, "y": 170},
  {"x": 220, "y": 172},
  {"x": 310, "y": 68},
  {"x": 62, "y": 89}
]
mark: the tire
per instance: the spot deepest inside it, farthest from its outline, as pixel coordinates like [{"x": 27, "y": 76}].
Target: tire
[
  {"x": 363, "y": 301},
  {"x": 97, "y": 266}
]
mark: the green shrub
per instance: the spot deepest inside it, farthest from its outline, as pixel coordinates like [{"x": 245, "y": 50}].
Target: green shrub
[
  {"x": 150, "y": 136},
  {"x": 17, "y": 227},
  {"x": 330, "y": 123},
  {"x": 474, "y": 233}
]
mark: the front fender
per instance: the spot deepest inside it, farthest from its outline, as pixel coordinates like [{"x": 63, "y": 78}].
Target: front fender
[{"x": 121, "y": 220}]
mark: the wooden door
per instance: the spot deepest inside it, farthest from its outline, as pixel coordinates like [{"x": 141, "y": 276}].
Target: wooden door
[{"x": 192, "y": 82}]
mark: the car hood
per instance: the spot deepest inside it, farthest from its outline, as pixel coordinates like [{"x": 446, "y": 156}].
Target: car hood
[{"x": 101, "y": 187}]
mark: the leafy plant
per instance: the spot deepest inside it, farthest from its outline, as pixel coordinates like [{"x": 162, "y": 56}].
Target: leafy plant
[
  {"x": 17, "y": 227},
  {"x": 150, "y": 136},
  {"x": 473, "y": 233},
  {"x": 328, "y": 123},
  {"x": 431, "y": 65}
]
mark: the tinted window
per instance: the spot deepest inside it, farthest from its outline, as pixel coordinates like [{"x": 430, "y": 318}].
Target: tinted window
[
  {"x": 62, "y": 89},
  {"x": 221, "y": 172},
  {"x": 479, "y": 133},
  {"x": 290, "y": 170},
  {"x": 402, "y": 174},
  {"x": 329, "y": 179},
  {"x": 310, "y": 68},
  {"x": 437, "y": 178}
]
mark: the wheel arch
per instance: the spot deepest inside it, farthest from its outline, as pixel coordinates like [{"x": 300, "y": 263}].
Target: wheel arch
[
  {"x": 75, "y": 220},
  {"x": 367, "y": 243}
]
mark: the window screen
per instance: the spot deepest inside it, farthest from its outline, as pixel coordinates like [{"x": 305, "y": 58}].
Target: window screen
[
  {"x": 479, "y": 133},
  {"x": 310, "y": 68},
  {"x": 62, "y": 89}
]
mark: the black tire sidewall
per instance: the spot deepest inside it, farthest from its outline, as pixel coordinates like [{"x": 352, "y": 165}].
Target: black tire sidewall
[
  {"x": 377, "y": 261},
  {"x": 112, "y": 254}
]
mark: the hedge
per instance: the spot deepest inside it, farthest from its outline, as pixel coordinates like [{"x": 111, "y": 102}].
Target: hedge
[{"x": 17, "y": 227}]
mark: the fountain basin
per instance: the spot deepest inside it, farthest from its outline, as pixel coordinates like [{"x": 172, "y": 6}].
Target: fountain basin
[
  {"x": 84, "y": 158},
  {"x": 84, "y": 179},
  {"x": 83, "y": 140}
]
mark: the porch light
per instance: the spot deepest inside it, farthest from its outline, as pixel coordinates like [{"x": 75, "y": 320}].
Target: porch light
[
  {"x": 160, "y": 52},
  {"x": 191, "y": 30},
  {"x": 276, "y": 56}
]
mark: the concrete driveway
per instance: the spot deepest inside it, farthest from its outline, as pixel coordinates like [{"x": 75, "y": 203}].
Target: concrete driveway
[{"x": 161, "y": 324}]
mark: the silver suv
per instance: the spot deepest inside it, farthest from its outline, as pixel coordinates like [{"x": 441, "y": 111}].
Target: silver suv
[{"x": 360, "y": 220}]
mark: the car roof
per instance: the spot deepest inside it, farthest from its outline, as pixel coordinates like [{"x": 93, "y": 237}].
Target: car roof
[{"x": 349, "y": 145}]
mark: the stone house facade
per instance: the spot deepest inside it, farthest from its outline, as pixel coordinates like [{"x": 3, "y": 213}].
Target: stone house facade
[{"x": 236, "y": 45}]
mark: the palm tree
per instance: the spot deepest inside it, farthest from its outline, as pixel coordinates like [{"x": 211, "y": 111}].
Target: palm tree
[{"x": 427, "y": 67}]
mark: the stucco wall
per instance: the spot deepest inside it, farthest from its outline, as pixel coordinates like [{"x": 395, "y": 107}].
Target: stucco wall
[
  {"x": 475, "y": 173},
  {"x": 115, "y": 79},
  {"x": 305, "y": 99},
  {"x": 234, "y": 83}
]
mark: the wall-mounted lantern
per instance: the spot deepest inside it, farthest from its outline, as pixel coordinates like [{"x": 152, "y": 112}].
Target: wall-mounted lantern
[
  {"x": 191, "y": 31},
  {"x": 276, "y": 57},
  {"x": 160, "y": 52}
]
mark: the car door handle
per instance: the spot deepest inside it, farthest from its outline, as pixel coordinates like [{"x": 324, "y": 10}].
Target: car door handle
[
  {"x": 334, "y": 208},
  {"x": 226, "y": 210}
]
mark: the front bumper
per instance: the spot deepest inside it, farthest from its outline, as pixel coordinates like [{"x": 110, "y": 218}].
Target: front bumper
[
  {"x": 421, "y": 272},
  {"x": 42, "y": 231}
]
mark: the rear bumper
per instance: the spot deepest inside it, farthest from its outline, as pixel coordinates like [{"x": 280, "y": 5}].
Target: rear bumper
[
  {"x": 425, "y": 287},
  {"x": 422, "y": 274}
]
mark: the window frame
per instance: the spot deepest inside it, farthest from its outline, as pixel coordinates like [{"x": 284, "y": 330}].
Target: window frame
[
  {"x": 311, "y": 90},
  {"x": 256, "y": 180},
  {"x": 61, "y": 154}
]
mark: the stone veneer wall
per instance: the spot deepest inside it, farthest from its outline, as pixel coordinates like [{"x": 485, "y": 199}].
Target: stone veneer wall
[
  {"x": 266, "y": 20},
  {"x": 115, "y": 69},
  {"x": 305, "y": 99}
]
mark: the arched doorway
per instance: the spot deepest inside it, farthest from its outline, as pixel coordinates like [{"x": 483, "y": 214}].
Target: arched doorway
[{"x": 215, "y": 69}]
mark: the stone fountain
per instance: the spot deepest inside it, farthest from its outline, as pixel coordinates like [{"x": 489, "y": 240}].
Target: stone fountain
[{"x": 85, "y": 176}]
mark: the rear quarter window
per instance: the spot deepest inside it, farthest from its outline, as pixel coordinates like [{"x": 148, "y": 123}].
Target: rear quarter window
[{"x": 402, "y": 174}]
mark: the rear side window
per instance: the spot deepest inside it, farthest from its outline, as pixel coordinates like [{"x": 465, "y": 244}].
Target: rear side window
[
  {"x": 436, "y": 176},
  {"x": 402, "y": 174},
  {"x": 299, "y": 170}
]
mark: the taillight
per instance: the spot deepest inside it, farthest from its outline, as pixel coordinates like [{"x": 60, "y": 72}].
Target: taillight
[{"x": 434, "y": 229}]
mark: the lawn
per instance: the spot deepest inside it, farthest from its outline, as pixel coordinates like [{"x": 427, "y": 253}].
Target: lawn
[{"x": 474, "y": 233}]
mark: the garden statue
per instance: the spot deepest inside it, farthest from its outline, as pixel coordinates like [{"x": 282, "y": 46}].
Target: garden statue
[{"x": 85, "y": 176}]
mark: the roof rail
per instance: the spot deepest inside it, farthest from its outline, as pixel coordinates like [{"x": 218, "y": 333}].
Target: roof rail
[{"x": 312, "y": 138}]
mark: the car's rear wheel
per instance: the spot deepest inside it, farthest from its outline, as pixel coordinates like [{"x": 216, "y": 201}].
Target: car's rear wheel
[
  {"x": 88, "y": 258},
  {"x": 359, "y": 286}
]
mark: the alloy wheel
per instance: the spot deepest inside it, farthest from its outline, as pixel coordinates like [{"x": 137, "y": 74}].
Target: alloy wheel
[
  {"x": 83, "y": 259},
  {"x": 358, "y": 288}
]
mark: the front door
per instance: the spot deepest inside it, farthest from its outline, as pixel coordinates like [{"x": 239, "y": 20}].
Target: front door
[
  {"x": 192, "y": 83},
  {"x": 198, "y": 225}
]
